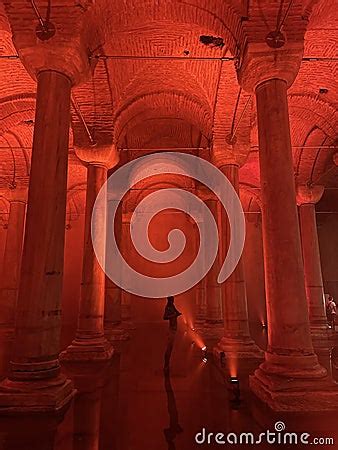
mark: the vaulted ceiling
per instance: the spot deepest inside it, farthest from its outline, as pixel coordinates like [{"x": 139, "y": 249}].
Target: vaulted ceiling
[{"x": 156, "y": 86}]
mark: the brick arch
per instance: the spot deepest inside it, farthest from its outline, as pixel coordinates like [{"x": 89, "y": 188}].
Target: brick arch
[
  {"x": 163, "y": 133},
  {"x": 96, "y": 104},
  {"x": 4, "y": 24},
  {"x": 320, "y": 113},
  {"x": 16, "y": 153},
  {"x": 75, "y": 201},
  {"x": 214, "y": 17},
  {"x": 4, "y": 211},
  {"x": 16, "y": 109},
  {"x": 318, "y": 11},
  {"x": 166, "y": 78},
  {"x": 311, "y": 112},
  {"x": 167, "y": 182},
  {"x": 163, "y": 104},
  {"x": 231, "y": 103},
  {"x": 6, "y": 43},
  {"x": 249, "y": 194},
  {"x": 16, "y": 120}
]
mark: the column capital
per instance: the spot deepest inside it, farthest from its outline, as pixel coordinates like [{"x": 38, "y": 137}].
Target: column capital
[
  {"x": 70, "y": 61},
  {"x": 204, "y": 194},
  {"x": 309, "y": 194},
  {"x": 261, "y": 63},
  {"x": 229, "y": 155},
  {"x": 60, "y": 45},
  {"x": 105, "y": 156}
]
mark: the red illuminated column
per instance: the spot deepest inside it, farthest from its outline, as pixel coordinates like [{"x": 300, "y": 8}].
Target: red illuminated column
[
  {"x": 90, "y": 343},
  {"x": 201, "y": 301},
  {"x": 236, "y": 340},
  {"x": 34, "y": 363},
  {"x": 12, "y": 257},
  {"x": 200, "y": 292},
  {"x": 126, "y": 297},
  {"x": 87, "y": 409},
  {"x": 307, "y": 197},
  {"x": 213, "y": 319},
  {"x": 290, "y": 377},
  {"x": 113, "y": 294}
]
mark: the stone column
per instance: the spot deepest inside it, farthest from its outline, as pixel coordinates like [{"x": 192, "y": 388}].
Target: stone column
[
  {"x": 201, "y": 287},
  {"x": 213, "y": 318},
  {"x": 236, "y": 341},
  {"x": 90, "y": 343},
  {"x": 12, "y": 258},
  {"x": 34, "y": 364},
  {"x": 113, "y": 294},
  {"x": 126, "y": 298},
  {"x": 201, "y": 304},
  {"x": 290, "y": 378},
  {"x": 307, "y": 197}
]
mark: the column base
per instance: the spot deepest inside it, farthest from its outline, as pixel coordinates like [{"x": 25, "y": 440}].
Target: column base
[
  {"x": 199, "y": 319},
  {"x": 294, "y": 383},
  {"x": 88, "y": 349},
  {"x": 117, "y": 333},
  {"x": 321, "y": 333},
  {"x": 307, "y": 396},
  {"x": 243, "y": 348},
  {"x": 41, "y": 396},
  {"x": 128, "y": 325},
  {"x": 212, "y": 329},
  {"x": 199, "y": 325}
]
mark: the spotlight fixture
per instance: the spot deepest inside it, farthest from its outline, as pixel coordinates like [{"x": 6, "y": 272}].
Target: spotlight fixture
[
  {"x": 234, "y": 389},
  {"x": 204, "y": 354},
  {"x": 234, "y": 381}
]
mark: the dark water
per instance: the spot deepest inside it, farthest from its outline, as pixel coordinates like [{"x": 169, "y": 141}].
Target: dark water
[{"x": 132, "y": 404}]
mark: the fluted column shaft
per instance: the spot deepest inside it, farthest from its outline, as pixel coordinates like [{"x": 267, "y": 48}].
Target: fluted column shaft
[
  {"x": 284, "y": 276},
  {"x": 90, "y": 342},
  {"x": 213, "y": 296},
  {"x": 113, "y": 293},
  {"x": 312, "y": 267},
  {"x": 236, "y": 338},
  {"x": 90, "y": 322},
  {"x": 38, "y": 317},
  {"x": 11, "y": 263}
]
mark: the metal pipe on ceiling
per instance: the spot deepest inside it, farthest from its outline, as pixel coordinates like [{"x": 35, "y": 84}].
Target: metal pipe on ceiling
[{"x": 184, "y": 58}]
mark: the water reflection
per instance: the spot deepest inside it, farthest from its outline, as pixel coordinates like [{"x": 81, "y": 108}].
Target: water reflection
[
  {"x": 90, "y": 380},
  {"x": 36, "y": 432},
  {"x": 174, "y": 428},
  {"x": 135, "y": 405}
]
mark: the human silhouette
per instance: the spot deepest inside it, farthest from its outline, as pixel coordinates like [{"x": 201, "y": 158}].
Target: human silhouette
[{"x": 171, "y": 313}]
